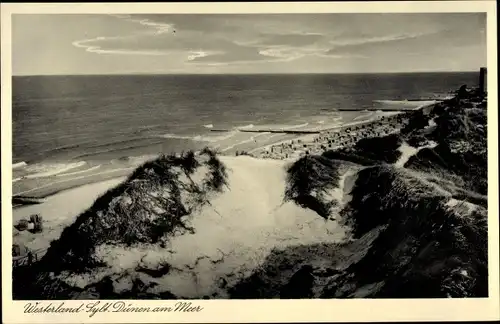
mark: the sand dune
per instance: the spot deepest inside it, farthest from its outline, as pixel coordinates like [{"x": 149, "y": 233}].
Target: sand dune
[
  {"x": 243, "y": 225},
  {"x": 233, "y": 236}
]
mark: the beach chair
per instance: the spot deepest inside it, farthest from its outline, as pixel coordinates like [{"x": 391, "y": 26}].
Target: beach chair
[
  {"x": 22, "y": 225},
  {"x": 19, "y": 254},
  {"x": 37, "y": 222}
]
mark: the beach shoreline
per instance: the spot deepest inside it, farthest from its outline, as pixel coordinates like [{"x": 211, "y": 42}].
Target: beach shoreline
[
  {"x": 248, "y": 147},
  {"x": 58, "y": 211}
]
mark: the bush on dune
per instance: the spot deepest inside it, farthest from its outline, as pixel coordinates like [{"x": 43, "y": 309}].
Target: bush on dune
[
  {"x": 218, "y": 171},
  {"x": 383, "y": 149},
  {"x": 462, "y": 147},
  {"x": 468, "y": 165},
  {"x": 431, "y": 216},
  {"x": 344, "y": 155},
  {"x": 381, "y": 186},
  {"x": 452, "y": 263},
  {"x": 147, "y": 208},
  {"x": 370, "y": 151},
  {"x": 308, "y": 181},
  {"x": 430, "y": 249},
  {"x": 465, "y": 124},
  {"x": 417, "y": 121},
  {"x": 445, "y": 258}
]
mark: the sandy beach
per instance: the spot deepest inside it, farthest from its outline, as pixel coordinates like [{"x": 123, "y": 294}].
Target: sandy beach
[
  {"x": 379, "y": 124},
  {"x": 58, "y": 211}
]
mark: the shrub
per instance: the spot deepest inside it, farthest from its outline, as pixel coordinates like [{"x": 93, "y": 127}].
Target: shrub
[
  {"x": 308, "y": 180},
  {"x": 344, "y": 155},
  {"x": 130, "y": 213},
  {"x": 428, "y": 249},
  {"x": 418, "y": 120},
  {"x": 384, "y": 149}
]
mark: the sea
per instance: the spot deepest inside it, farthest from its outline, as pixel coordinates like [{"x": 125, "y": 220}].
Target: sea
[{"x": 77, "y": 127}]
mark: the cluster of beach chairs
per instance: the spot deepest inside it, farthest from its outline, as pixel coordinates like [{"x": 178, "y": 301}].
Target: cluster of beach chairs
[
  {"x": 34, "y": 224},
  {"x": 21, "y": 255},
  {"x": 335, "y": 139}
]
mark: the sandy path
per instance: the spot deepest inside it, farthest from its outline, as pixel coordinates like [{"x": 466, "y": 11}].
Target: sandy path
[{"x": 408, "y": 151}]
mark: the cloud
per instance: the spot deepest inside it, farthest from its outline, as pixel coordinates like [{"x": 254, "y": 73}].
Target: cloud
[
  {"x": 292, "y": 40},
  {"x": 164, "y": 38},
  {"x": 406, "y": 43},
  {"x": 95, "y": 45},
  {"x": 159, "y": 27},
  {"x": 194, "y": 46},
  {"x": 227, "y": 40},
  {"x": 389, "y": 43}
]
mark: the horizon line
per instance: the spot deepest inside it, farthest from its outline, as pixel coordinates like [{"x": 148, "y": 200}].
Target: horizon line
[{"x": 283, "y": 73}]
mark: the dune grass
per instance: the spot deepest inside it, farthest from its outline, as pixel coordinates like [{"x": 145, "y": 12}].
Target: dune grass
[
  {"x": 148, "y": 207},
  {"x": 308, "y": 181},
  {"x": 369, "y": 151}
]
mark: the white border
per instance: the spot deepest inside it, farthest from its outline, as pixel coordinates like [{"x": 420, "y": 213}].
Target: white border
[{"x": 359, "y": 310}]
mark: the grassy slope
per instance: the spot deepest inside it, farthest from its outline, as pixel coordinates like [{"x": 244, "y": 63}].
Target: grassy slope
[
  {"x": 431, "y": 216},
  {"x": 149, "y": 207},
  {"x": 370, "y": 151},
  {"x": 426, "y": 248},
  {"x": 309, "y": 180}
]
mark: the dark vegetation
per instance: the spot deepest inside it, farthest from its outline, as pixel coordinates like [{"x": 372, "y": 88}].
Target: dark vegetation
[
  {"x": 146, "y": 208},
  {"x": 238, "y": 153},
  {"x": 308, "y": 180},
  {"x": 416, "y": 121},
  {"x": 370, "y": 151},
  {"x": 462, "y": 146},
  {"x": 408, "y": 244},
  {"x": 424, "y": 248},
  {"x": 286, "y": 273},
  {"x": 470, "y": 167},
  {"x": 112, "y": 221}
]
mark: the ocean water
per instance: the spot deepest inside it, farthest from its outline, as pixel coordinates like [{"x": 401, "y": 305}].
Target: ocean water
[{"x": 72, "y": 126}]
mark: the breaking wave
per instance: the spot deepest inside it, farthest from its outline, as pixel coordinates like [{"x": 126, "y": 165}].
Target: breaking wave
[
  {"x": 47, "y": 170},
  {"x": 19, "y": 165}
]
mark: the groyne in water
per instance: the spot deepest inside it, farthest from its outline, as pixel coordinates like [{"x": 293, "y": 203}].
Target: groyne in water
[
  {"x": 284, "y": 131},
  {"x": 371, "y": 109}
]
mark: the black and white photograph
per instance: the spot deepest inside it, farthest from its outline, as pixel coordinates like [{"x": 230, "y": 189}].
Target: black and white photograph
[{"x": 332, "y": 155}]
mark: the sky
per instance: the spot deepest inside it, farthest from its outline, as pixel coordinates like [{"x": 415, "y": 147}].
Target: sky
[{"x": 256, "y": 43}]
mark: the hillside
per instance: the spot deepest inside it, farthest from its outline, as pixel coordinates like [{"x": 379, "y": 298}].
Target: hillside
[
  {"x": 431, "y": 214},
  {"x": 416, "y": 214},
  {"x": 221, "y": 235},
  {"x": 399, "y": 216},
  {"x": 145, "y": 210}
]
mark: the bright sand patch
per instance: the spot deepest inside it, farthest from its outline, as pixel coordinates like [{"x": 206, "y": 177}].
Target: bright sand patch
[
  {"x": 58, "y": 211},
  {"x": 233, "y": 235},
  {"x": 408, "y": 151}
]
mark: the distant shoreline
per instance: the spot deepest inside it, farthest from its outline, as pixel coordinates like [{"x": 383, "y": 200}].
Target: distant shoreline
[
  {"x": 28, "y": 197},
  {"x": 223, "y": 74},
  {"x": 42, "y": 193}
]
